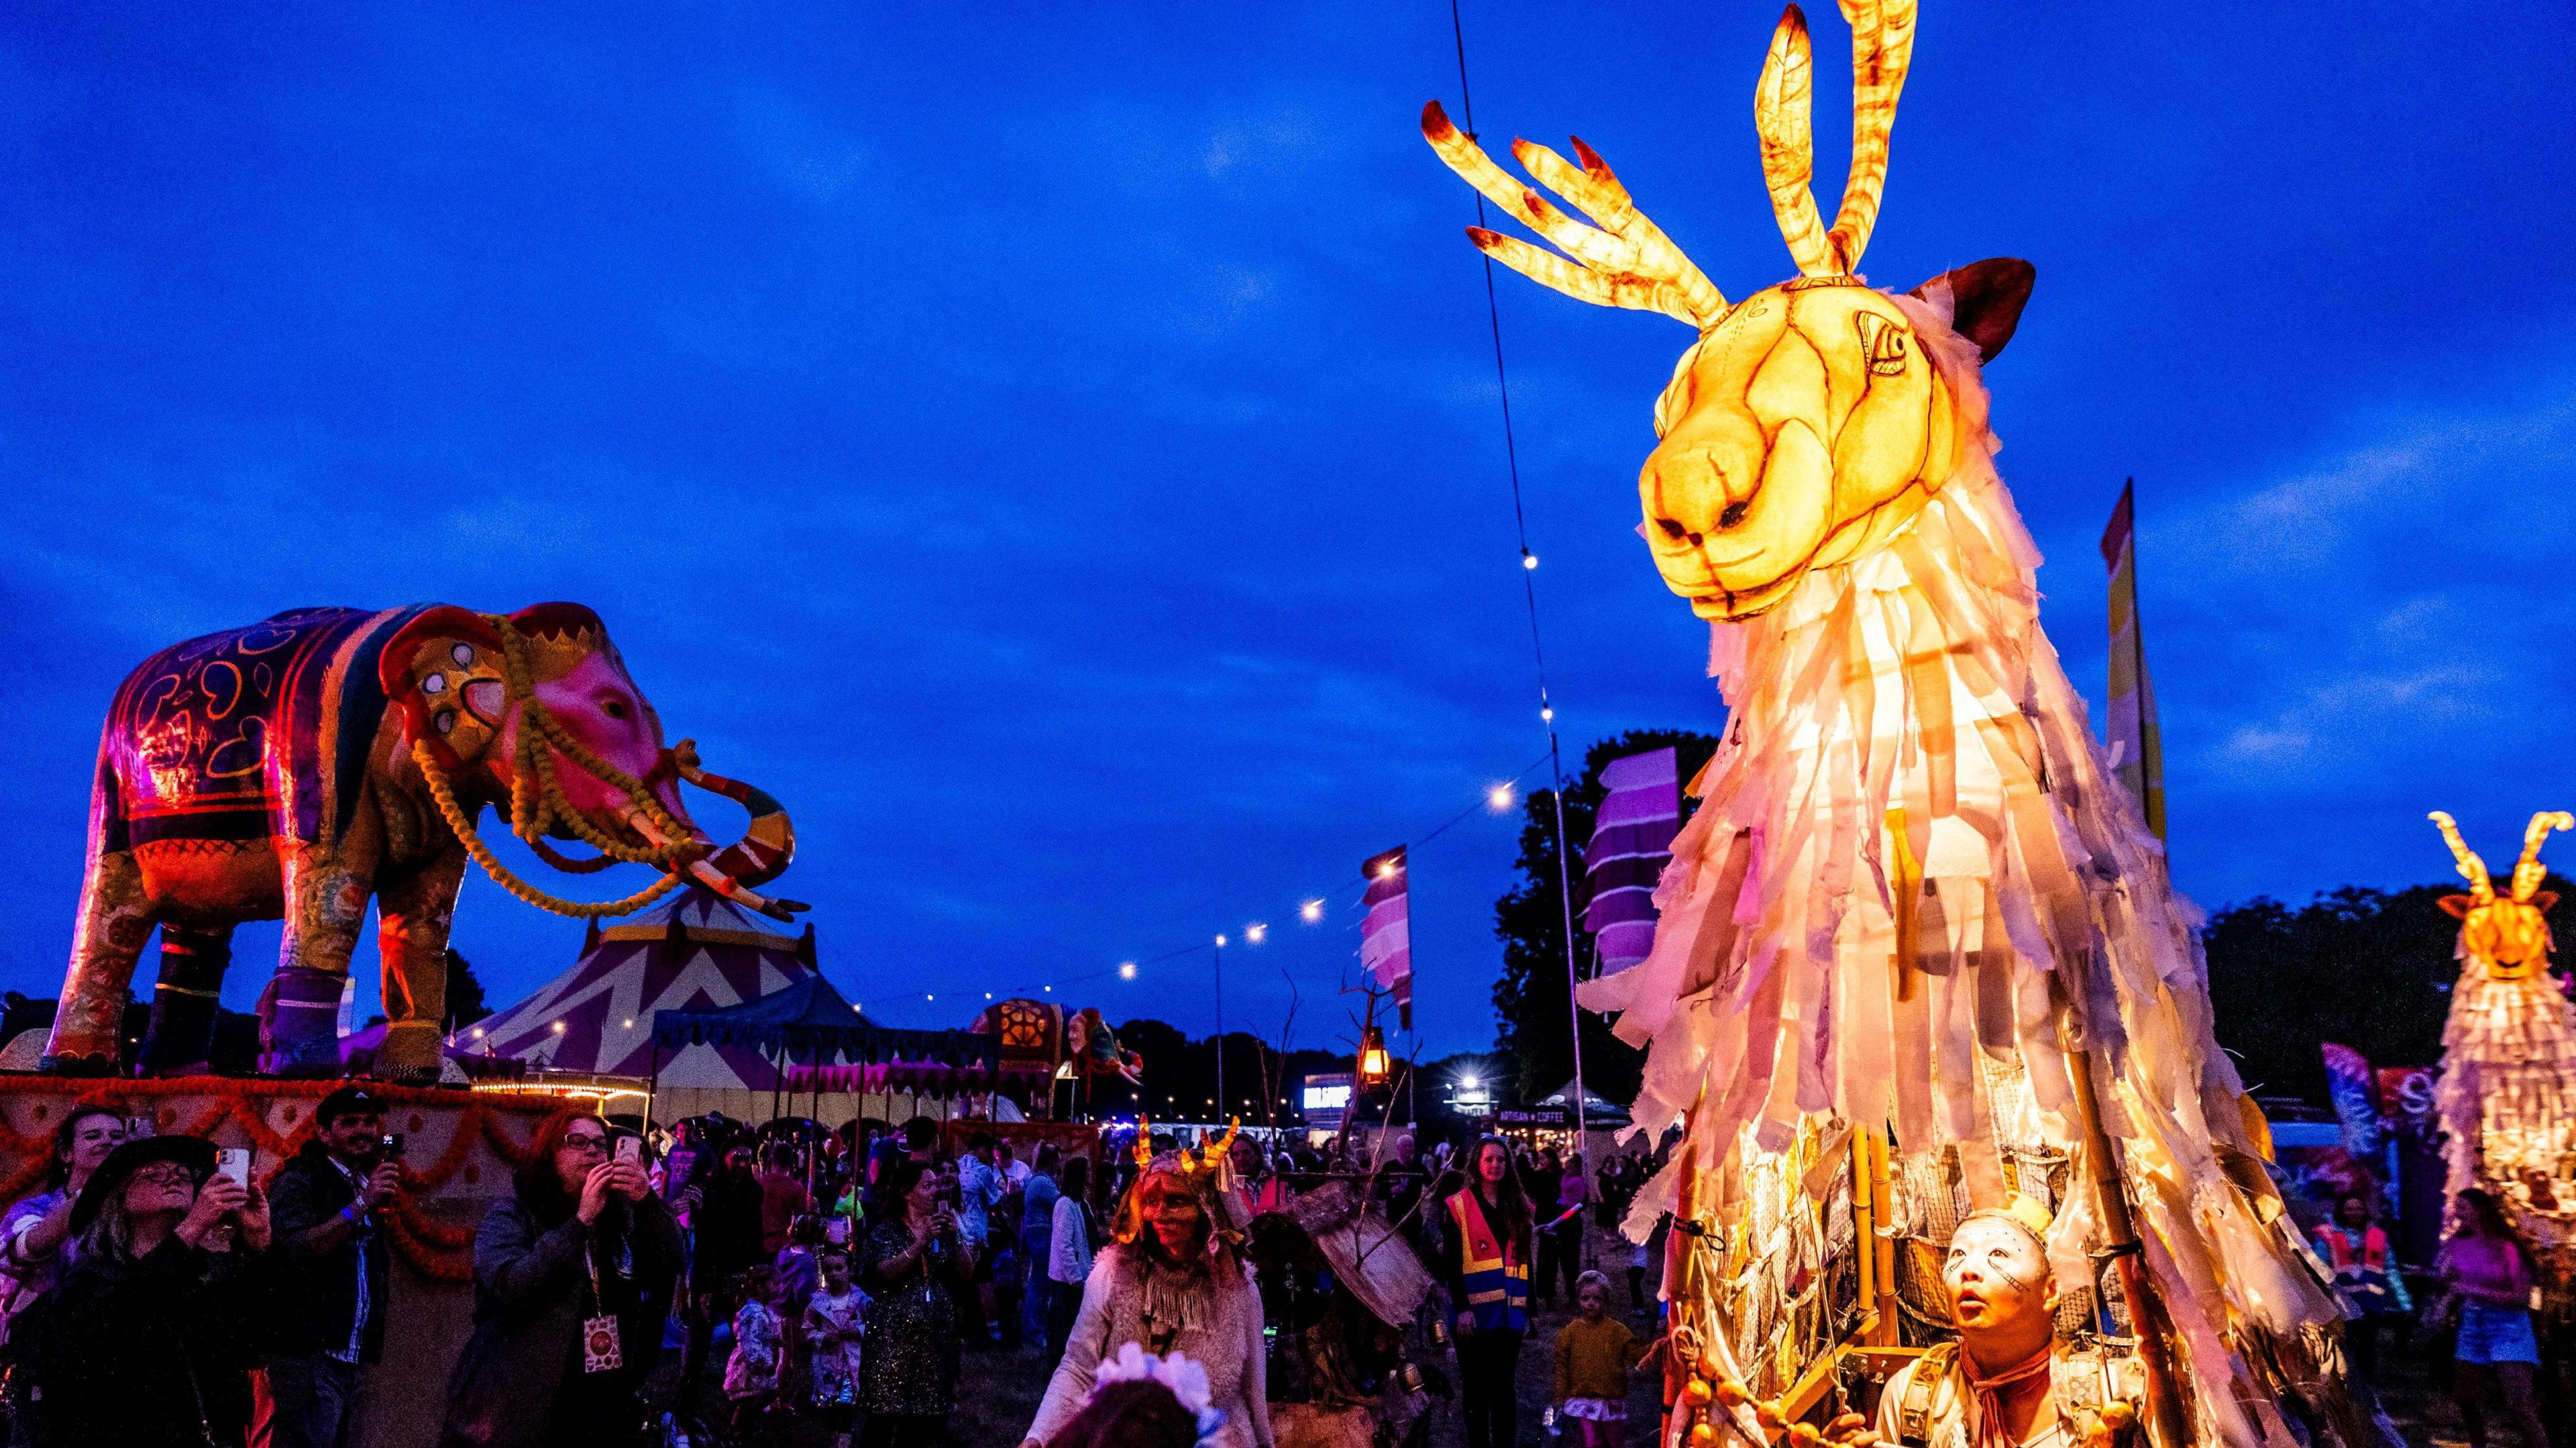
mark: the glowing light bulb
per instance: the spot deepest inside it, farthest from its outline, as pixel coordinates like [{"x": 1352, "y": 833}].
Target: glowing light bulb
[
  {"x": 1547, "y": 715},
  {"x": 988, "y": 995},
  {"x": 559, "y": 1026},
  {"x": 478, "y": 1033},
  {"x": 1255, "y": 932},
  {"x": 1499, "y": 798},
  {"x": 1127, "y": 970},
  {"x": 1529, "y": 560},
  {"x": 629, "y": 1024},
  {"x": 1311, "y": 911},
  {"x": 1220, "y": 942}
]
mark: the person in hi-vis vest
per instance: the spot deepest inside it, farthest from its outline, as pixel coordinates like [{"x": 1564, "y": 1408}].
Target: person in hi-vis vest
[{"x": 1485, "y": 1264}]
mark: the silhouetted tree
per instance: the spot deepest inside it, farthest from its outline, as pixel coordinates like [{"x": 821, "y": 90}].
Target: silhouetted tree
[
  {"x": 465, "y": 1002},
  {"x": 2369, "y": 969}
]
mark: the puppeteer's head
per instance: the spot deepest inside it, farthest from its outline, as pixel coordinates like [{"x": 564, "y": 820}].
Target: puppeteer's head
[{"x": 2002, "y": 1294}]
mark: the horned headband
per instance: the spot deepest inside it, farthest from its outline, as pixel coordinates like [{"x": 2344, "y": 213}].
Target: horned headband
[
  {"x": 1209, "y": 1154},
  {"x": 2528, "y": 872}
]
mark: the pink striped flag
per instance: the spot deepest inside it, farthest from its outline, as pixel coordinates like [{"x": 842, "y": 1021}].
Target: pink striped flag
[
  {"x": 1641, "y": 810},
  {"x": 1386, "y": 936}
]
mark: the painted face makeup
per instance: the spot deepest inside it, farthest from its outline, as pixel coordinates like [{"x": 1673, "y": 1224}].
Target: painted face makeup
[{"x": 1997, "y": 1275}]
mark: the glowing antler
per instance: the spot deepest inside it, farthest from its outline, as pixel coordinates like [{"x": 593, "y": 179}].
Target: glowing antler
[
  {"x": 1621, "y": 260},
  {"x": 1783, "y": 111},
  {"x": 1144, "y": 1142},
  {"x": 1882, "y": 49},
  {"x": 2472, "y": 869},
  {"x": 1212, "y": 1153},
  {"x": 2528, "y": 872}
]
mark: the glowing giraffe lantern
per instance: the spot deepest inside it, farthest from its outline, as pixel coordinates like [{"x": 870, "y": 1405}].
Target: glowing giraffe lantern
[
  {"x": 2507, "y": 1098},
  {"x": 1918, "y": 953}
]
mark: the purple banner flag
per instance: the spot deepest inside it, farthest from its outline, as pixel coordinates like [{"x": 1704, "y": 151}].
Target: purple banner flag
[
  {"x": 1386, "y": 936},
  {"x": 1641, "y": 810}
]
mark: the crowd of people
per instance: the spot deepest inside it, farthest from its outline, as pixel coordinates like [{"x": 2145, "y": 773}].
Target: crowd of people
[{"x": 158, "y": 1292}]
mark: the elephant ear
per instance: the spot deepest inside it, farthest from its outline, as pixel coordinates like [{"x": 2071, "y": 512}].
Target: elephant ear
[{"x": 444, "y": 670}]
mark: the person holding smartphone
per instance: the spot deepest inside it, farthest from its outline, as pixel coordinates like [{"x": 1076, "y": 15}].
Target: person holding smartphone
[
  {"x": 573, "y": 1273},
  {"x": 152, "y": 1332},
  {"x": 326, "y": 1202},
  {"x": 917, "y": 1265}
]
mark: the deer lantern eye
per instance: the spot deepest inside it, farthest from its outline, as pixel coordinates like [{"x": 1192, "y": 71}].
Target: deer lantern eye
[{"x": 1884, "y": 342}]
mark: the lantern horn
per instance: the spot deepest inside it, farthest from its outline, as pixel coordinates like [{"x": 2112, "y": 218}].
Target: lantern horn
[
  {"x": 2472, "y": 869},
  {"x": 1783, "y": 110},
  {"x": 1144, "y": 1142},
  {"x": 1882, "y": 50},
  {"x": 2528, "y": 872},
  {"x": 1621, "y": 260},
  {"x": 1783, "y": 118}
]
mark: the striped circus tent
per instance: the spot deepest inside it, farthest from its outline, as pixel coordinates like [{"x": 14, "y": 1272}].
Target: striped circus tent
[{"x": 695, "y": 950}]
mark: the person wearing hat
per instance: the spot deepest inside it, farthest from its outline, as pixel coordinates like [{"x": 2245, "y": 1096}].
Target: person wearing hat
[
  {"x": 2006, "y": 1382},
  {"x": 324, "y": 1203},
  {"x": 149, "y": 1339}
]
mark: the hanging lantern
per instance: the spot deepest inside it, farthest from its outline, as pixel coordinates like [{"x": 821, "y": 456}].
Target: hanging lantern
[{"x": 1373, "y": 1063}]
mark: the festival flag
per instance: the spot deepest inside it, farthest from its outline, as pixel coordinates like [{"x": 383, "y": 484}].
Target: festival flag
[
  {"x": 2137, "y": 745},
  {"x": 2354, "y": 1089},
  {"x": 1386, "y": 936},
  {"x": 1632, "y": 838}
]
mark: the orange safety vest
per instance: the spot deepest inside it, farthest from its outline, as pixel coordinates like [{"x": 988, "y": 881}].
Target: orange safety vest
[{"x": 1492, "y": 1271}]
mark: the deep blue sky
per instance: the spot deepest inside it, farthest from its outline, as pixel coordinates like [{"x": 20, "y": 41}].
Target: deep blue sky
[{"x": 1055, "y": 448}]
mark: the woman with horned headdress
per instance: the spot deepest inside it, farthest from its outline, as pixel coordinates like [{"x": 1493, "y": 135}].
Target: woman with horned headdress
[{"x": 1173, "y": 1281}]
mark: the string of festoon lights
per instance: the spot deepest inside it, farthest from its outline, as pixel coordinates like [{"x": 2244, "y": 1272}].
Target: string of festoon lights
[{"x": 1310, "y": 908}]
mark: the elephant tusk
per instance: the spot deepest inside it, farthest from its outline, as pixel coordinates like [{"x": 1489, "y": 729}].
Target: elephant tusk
[{"x": 705, "y": 872}]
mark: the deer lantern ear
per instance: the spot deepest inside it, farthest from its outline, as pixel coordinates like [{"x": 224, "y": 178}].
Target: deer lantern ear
[
  {"x": 1986, "y": 298},
  {"x": 2542, "y": 900},
  {"x": 2457, "y": 906},
  {"x": 443, "y": 669}
]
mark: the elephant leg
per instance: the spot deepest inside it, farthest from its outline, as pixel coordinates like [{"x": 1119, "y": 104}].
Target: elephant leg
[
  {"x": 115, "y": 920},
  {"x": 325, "y": 904},
  {"x": 413, "y": 914},
  {"x": 185, "y": 1002}
]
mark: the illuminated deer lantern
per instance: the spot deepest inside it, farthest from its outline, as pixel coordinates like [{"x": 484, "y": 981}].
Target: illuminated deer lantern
[
  {"x": 1914, "y": 897},
  {"x": 2507, "y": 1098}
]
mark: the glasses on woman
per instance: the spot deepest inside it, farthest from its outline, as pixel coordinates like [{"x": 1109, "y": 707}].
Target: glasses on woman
[
  {"x": 164, "y": 1175},
  {"x": 586, "y": 1143}
]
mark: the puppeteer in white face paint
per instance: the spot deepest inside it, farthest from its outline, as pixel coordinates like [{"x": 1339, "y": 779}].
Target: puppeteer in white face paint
[{"x": 2006, "y": 1382}]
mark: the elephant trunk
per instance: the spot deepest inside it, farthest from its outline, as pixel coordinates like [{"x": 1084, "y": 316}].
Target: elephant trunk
[{"x": 761, "y": 855}]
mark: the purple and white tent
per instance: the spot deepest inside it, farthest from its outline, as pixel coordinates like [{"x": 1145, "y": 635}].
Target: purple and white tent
[{"x": 695, "y": 950}]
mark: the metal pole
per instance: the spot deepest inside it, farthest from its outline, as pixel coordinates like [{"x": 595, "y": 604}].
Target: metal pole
[
  {"x": 1220, "y": 1028},
  {"x": 1565, "y": 900}
]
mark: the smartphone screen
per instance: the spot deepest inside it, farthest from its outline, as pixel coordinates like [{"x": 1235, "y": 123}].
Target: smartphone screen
[{"x": 234, "y": 1162}]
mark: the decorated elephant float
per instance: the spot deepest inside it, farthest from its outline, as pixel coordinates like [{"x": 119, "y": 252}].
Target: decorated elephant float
[{"x": 305, "y": 765}]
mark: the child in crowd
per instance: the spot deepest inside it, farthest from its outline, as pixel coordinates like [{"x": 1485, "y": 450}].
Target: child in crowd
[
  {"x": 1593, "y": 1355},
  {"x": 834, "y": 1320},
  {"x": 759, "y": 1347}
]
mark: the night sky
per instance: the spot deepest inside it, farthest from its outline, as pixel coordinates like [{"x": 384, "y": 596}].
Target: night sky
[{"x": 1056, "y": 449}]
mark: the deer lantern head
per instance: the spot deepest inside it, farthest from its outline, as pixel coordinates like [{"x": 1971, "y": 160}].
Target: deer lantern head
[
  {"x": 1814, "y": 419},
  {"x": 2507, "y": 936}
]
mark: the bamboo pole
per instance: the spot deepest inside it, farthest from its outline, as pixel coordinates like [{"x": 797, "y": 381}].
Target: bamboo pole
[{"x": 2167, "y": 1424}]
